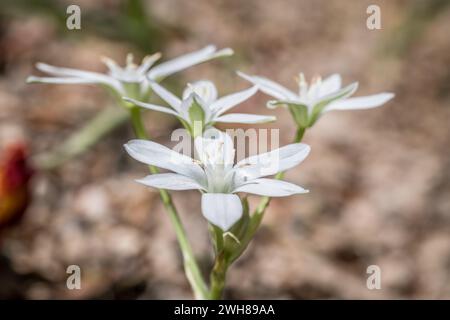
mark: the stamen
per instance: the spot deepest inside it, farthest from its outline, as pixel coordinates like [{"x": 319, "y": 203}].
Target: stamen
[
  {"x": 317, "y": 79},
  {"x": 130, "y": 59}
]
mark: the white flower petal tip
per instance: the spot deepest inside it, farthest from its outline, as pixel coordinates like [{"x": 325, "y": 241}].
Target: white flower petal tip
[
  {"x": 32, "y": 79},
  {"x": 225, "y": 52},
  {"x": 222, "y": 210},
  {"x": 361, "y": 103},
  {"x": 244, "y": 75}
]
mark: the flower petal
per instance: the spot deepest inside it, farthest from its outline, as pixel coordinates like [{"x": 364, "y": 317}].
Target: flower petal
[
  {"x": 151, "y": 106},
  {"x": 221, "y": 209},
  {"x": 170, "y": 181},
  {"x": 244, "y": 118},
  {"x": 166, "y": 95},
  {"x": 59, "y": 80},
  {"x": 69, "y": 72},
  {"x": 270, "y": 188},
  {"x": 185, "y": 61},
  {"x": 337, "y": 95},
  {"x": 157, "y": 155},
  {"x": 366, "y": 102},
  {"x": 204, "y": 89},
  {"x": 330, "y": 84},
  {"x": 272, "y": 162},
  {"x": 64, "y": 75},
  {"x": 270, "y": 87},
  {"x": 227, "y": 102}
]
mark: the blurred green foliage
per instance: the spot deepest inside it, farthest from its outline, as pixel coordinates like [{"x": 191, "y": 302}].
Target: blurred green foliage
[
  {"x": 417, "y": 18},
  {"x": 130, "y": 22}
]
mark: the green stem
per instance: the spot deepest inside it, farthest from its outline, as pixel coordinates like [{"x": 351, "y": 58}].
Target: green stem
[
  {"x": 258, "y": 214},
  {"x": 191, "y": 268},
  {"x": 299, "y": 134},
  {"x": 218, "y": 276},
  {"x": 104, "y": 122}
]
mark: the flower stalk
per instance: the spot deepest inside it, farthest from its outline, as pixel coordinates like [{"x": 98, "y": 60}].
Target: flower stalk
[
  {"x": 218, "y": 276},
  {"x": 191, "y": 268}
]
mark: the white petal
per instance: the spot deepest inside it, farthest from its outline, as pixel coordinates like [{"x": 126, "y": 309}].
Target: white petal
[
  {"x": 185, "y": 61},
  {"x": 170, "y": 181},
  {"x": 270, "y": 87},
  {"x": 272, "y": 162},
  {"x": 58, "y": 80},
  {"x": 338, "y": 95},
  {"x": 154, "y": 154},
  {"x": 151, "y": 106},
  {"x": 221, "y": 209},
  {"x": 204, "y": 89},
  {"x": 366, "y": 102},
  {"x": 80, "y": 76},
  {"x": 69, "y": 72},
  {"x": 330, "y": 84},
  {"x": 270, "y": 188},
  {"x": 227, "y": 102},
  {"x": 166, "y": 95},
  {"x": 244, "y": 118}
]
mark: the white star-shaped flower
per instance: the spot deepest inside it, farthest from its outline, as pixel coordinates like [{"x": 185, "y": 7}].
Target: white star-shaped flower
[
  {"x": 317, "y": 97},
  {"x": 200, "y": 106},
  {"x": 215, "y": 174},
  {"x": 131, "y": 80}
]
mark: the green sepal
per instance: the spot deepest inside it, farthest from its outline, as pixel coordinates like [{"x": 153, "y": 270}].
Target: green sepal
[
  {"x": 300, "y": 114},
  {"x": 319, "y": 107}
]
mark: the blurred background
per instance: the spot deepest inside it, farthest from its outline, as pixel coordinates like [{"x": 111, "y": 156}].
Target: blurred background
[{"x": 379, "y": 179}]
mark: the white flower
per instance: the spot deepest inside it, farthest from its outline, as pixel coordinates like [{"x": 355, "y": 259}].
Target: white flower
[
  {"x": 215, "y": 174},
  {"x": 132, "y": 80},
  {"x": 316, "y": 98},
  {"x": 200, "y": 106}
]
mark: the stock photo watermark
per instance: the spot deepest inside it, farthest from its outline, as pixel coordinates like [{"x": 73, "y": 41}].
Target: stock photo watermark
[
  {"x": 374, "y": 279},
  {"x": 373, "y": 22},
  {"x": 73, "y": 281},
  {"x": 241, "y": 143},
  {"x": 73, "y": 21}
]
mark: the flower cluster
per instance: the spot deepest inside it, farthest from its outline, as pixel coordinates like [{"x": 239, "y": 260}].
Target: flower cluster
[
  {"x": 198, "y": 109},
  {"x": 213, "y": 169}
]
